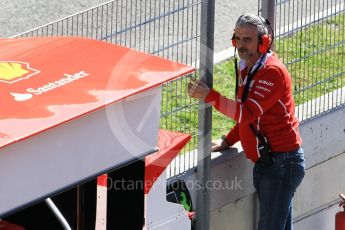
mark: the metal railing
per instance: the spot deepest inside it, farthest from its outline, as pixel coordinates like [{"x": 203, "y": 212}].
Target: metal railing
[{"x": 310, "y": 39}]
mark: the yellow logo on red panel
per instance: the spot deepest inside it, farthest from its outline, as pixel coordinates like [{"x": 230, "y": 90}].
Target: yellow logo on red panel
[{"x": 13, "y": 71}]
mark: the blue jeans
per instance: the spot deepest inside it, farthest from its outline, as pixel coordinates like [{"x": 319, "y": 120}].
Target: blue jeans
[{"x": 275, "y": 186}]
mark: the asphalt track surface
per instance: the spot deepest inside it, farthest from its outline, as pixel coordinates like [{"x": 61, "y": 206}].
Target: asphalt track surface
[{"x": 18, "y": 16}]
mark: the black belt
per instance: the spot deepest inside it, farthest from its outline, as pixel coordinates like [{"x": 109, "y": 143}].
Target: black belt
[{"x": 268, "y": 158}]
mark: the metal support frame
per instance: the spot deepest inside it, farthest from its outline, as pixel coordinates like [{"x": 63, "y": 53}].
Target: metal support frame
[
  {"x": 58, "y": 214},
  {"x": 205, "y": 115},
  {"x": 268, "y": 11}
]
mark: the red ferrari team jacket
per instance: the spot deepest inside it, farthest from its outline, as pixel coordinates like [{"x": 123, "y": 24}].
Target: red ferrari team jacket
[{"x": 269, "y": 108}]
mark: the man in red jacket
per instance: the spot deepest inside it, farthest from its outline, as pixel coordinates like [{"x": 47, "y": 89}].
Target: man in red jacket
[{"x": 266, "y": 123}]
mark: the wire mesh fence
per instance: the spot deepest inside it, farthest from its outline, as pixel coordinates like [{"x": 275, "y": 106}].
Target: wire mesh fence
[
  {"x": 168, "y": 28},
  {"x": 310, "y": 41}
]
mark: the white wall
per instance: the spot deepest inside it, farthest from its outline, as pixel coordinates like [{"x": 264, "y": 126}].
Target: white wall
[{"x": 235, "y": 207}]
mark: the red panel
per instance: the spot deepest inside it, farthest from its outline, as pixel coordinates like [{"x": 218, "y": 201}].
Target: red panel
[
  {"x": 46, "y": 81},
  {"x": 4, "y": 225},
  {"x": 170, "y": 144},
  {"x": 102, "y": 180}
]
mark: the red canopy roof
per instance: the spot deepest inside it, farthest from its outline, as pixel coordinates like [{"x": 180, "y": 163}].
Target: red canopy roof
[{"x": 46, "y": 81}]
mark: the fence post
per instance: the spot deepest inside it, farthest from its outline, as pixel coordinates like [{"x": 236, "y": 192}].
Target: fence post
[
  {"x": 268, "y": 11},
  {"x": 205, "y": 116}
]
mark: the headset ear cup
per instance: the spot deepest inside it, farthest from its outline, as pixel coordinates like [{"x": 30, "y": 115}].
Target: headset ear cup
[
  {"x": 233, "y": 40},
  {"x": 265, "y": 43}
]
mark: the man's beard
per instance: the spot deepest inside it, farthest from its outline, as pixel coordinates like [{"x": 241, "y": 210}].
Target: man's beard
[{"x": 244, "y": 54}]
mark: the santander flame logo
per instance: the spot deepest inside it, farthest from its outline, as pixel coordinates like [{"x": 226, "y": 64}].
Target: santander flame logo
[
  {"x": 13, "y": 71},
  {"x": 21, "y": 96}
]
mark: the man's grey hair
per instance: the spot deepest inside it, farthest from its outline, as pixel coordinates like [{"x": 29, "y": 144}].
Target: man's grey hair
[{"x": 249, "y": 19}]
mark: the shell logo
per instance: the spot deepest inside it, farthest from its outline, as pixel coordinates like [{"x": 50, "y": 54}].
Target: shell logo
[{"x": 13, "y": 71}]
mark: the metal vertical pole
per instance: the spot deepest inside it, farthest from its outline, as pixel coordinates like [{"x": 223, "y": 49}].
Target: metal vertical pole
[
  {"x": 268, "y": 11},
  {"x": 205, "y": 116}
]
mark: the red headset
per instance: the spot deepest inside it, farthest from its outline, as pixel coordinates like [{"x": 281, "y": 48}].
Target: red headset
[{"x": 264, "y": 42}]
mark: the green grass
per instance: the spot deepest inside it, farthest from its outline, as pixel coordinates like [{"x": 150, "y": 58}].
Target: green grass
[
  {"x": 312, "y": 55},
  {"x": 224, "y": 82}
]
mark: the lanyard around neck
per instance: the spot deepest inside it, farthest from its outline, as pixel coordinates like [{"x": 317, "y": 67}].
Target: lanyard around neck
[{"x": 250, "y": 77}]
